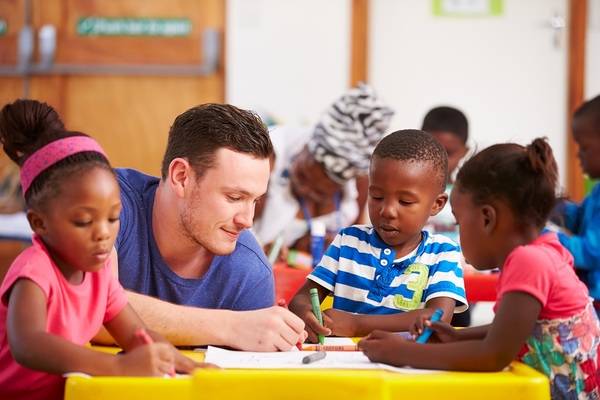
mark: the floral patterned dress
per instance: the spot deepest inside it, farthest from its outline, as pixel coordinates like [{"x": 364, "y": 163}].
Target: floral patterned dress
[{"x": 566, "y": 351}]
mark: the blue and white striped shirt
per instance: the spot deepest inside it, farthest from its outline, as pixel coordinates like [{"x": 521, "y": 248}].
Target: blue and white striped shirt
[{"x": 361, "y": 271}]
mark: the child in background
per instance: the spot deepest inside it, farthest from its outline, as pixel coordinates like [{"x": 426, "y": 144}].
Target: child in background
[
  {"x": 582, "y": 221},
  {"x": 450, "y": 126},
  {"x": 61, "y": 290},
  {"x": 391, "y": 272},
  {"x": 543, "y": 316}
]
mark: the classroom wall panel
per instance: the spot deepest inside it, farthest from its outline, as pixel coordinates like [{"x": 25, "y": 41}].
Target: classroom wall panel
[
  {"x": 288, "y": 59},
  {"x": 592, "y": 67},
  {"x": 122, "y": 70},
  {"x": 506, "y": 70}
]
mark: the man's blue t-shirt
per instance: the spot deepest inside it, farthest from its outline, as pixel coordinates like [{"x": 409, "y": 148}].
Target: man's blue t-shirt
[{"x": 242, "y": 280}]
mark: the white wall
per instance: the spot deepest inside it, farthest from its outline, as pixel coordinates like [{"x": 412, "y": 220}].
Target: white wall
[
  {"x": 592, "y": 65},
  {"x": 504, "y": 71},
  {"x": 290, "y": 58}
]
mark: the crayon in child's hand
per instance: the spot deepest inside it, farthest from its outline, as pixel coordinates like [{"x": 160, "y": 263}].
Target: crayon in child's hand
[
  {"x": 316, "y": 306},
  {"x": 144, "y": 338},
  {"x": 427, "y": 331}
]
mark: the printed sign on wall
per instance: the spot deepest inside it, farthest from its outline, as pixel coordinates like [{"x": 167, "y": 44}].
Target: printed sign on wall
[
  {"x": 467, "y": 8},
  {"x": 165, "y": 27}
]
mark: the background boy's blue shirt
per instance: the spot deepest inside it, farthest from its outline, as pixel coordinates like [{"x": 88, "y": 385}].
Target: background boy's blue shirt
[{"x": 584, "y": 243}]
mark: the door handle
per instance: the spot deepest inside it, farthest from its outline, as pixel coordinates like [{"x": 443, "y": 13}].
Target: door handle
[
  {"x": 25, "y": 47},
  {"x": 46, "y": 46},
  {"x": 557, "y": 23}
]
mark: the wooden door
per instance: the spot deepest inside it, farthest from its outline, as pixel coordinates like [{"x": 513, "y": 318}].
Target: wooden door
[{"x": 122, "y": 69}]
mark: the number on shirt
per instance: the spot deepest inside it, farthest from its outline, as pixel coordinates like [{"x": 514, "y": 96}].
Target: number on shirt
[{"x": 416, "y": 286}]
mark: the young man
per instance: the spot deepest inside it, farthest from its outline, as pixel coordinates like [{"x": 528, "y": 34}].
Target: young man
[{"x": 193, "y": 270}]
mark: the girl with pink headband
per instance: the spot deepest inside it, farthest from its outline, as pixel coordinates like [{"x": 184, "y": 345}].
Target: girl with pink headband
[{"x": 59, "y": 292}]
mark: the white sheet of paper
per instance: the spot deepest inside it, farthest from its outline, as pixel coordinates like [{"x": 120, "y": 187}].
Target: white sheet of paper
[
  {"x": 286, "y": 359},
  {"x": 293, "y": 360}
]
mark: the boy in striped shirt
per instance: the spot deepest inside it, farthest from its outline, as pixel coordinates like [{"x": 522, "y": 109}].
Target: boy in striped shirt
[{"x": 390, "y": 273}]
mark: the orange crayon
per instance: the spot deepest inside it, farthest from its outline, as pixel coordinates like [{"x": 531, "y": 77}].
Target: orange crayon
[{"x": 331, "y": 347}]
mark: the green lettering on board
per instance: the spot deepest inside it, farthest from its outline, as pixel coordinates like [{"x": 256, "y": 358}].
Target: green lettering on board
[{"x": 167, "y": 27}]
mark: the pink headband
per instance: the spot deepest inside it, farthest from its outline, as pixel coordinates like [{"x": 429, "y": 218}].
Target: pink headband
[{"x": 54, "y": 152}]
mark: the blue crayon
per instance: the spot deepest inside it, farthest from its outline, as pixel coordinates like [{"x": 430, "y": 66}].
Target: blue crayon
[{"x": 427, "y": 332}]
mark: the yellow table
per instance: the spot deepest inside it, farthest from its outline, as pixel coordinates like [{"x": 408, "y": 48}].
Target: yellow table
[{"x": 518, "y": 382}]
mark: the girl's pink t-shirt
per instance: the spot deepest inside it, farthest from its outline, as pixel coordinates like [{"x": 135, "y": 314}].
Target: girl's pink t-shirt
[
  {"x": 74, "y": 313},
  {"x": 544, "y": 269}
]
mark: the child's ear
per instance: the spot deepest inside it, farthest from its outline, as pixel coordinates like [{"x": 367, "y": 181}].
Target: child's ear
[
  {"x": 36, "y": 222},
  {"x": 439, "y": 204},
  {"x": 489, "y": 218}
]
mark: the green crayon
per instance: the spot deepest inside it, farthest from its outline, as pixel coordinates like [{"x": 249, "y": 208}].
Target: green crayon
[{"x": 316, "y": 307}]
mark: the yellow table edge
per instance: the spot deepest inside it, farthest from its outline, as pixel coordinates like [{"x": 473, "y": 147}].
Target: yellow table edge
[{"x": 518, "y": 381}]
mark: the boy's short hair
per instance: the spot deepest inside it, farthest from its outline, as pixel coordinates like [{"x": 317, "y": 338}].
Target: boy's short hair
[
  {"x": 413, "y": 145},
  {"x": 591, "y": 109},
  {"x": 447, "y": 119}
]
